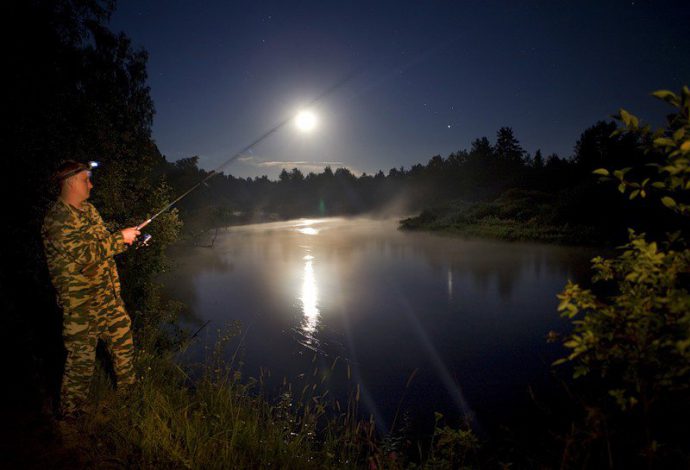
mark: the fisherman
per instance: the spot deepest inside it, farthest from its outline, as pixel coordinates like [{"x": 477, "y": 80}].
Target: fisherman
[{"x": 80, "y": 250}]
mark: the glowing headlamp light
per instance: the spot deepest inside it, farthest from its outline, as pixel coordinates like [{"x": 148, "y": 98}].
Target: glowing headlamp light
[{"x": 78, "y": 169}]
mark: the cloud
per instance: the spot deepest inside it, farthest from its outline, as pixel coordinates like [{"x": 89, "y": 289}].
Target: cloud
[{"x": 304, "y": 166}]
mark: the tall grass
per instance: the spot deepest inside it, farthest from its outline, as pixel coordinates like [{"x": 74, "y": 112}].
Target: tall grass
[{"x": 208, "y": 416}]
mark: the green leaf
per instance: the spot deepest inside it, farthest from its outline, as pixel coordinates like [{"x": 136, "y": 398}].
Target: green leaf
[
  {"x": 668, "y": 202},
  {"x": 665, "y": 141},
  {"x": 620, "y": 174},
  {"x": 667, "y": 96},
  {"x": 634, "y": 194},
  {"x": 629, "y": 119},
  {"x": 580, "y": 371},
  {"x": 621, "y": 187},
  {"x": 678, "y": 134},
  {"x": 601, "y": 171}
]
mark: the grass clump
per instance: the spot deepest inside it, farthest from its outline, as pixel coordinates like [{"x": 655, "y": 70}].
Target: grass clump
[{"x": 208, "y": 416}]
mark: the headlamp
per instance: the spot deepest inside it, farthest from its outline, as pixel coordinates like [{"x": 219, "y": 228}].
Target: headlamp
[{"x": 72, "y": 168}]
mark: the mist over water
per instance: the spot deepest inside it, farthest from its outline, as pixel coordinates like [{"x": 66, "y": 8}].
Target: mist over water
[{"x": 470, "y": 316}]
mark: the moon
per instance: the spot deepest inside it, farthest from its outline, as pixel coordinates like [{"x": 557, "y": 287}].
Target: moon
[{"x": 305, "y": 121}]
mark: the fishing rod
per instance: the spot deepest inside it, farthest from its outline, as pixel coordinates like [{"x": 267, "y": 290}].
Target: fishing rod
[{"x": 147, "y": 237}]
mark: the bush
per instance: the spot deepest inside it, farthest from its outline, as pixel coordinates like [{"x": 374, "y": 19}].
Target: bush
[{"x": 631, "y": 335}]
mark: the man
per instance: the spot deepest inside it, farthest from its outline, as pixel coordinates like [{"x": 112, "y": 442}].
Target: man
[{"x": 79, "y": 250}]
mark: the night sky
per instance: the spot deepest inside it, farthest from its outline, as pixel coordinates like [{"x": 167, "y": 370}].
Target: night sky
[{"x": 417, "y": 79}]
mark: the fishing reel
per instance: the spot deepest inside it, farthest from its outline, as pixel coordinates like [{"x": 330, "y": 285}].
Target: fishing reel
[{"x": 143, "y": 241}]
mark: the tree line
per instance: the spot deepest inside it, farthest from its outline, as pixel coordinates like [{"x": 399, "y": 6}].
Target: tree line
[{"x": 566, "y": 188}]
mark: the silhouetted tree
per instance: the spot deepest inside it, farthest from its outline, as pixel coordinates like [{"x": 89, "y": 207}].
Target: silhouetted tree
[
  {"x": 284, "y": 177},
  {"x": 538, "y": 161},
  {"x": 597, "y": 147},
  {"x": 296, "y": 175},
  {"x": 507, "y": 147},
  {"x": 554, "y": 161},
  {"x": 481, "y": 149}
]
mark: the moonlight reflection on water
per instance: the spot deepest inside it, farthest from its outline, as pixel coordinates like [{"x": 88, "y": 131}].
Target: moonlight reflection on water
[{"x": 309, "y": 299}]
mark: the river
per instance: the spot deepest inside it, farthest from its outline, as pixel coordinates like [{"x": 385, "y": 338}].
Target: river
[{"x": 465, "y": 319}]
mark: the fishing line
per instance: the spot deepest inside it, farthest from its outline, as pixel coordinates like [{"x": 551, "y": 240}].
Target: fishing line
[{"x": 244, "y": 150}]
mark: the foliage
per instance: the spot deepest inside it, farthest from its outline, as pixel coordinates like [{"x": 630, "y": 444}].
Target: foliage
[
  {"x": 515, "y": 215},
  {"x": 600, "y": 145},
  {"x": 634, "y": 332},
  {"x": 451, "y": 447},
  {"x": 668, "y": 151},
  {"x": 639, "y": 337}
]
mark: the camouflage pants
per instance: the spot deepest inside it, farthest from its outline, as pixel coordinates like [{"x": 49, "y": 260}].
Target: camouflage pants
[{"x": 100, "y": 317}]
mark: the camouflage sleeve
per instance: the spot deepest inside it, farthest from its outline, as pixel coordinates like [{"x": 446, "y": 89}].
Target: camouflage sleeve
[
  {"x": 85, "y": 247},
  {"x": 102, "y": 231}
]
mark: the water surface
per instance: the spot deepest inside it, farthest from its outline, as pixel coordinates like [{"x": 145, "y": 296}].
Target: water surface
[{"x": 470, "y": 316}]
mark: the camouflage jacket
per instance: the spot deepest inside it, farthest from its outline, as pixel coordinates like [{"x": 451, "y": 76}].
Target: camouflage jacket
[{"x": 79, "y": 250}]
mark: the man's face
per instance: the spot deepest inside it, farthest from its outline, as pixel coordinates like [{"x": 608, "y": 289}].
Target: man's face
[{"x": 80, "y": 185}]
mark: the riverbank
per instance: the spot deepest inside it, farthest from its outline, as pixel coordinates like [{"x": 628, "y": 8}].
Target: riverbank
[
  {"x": 211, "y": 416},
  {"x": 515, "y": 216}
]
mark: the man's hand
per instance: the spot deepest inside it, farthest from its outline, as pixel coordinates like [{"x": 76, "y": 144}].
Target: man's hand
[{"x": 130, "y": 234}]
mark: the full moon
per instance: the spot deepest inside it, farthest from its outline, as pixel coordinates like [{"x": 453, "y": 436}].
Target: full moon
[{"x": 305, "y": 121}]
